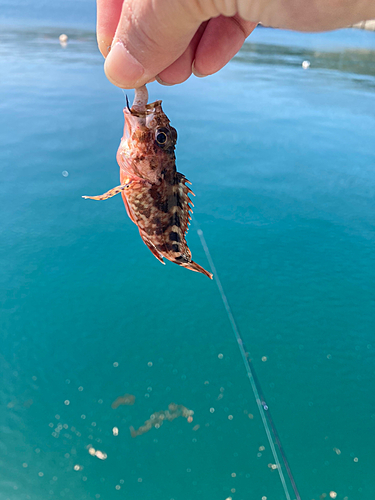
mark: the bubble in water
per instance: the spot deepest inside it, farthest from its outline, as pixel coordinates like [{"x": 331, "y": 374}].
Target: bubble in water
[
  {"x": 220, "y": 356},
  {"x": 67, "y": 402},
  {"x": 65, "y": 173},
  {"x": 115, "y": 364},
  {"x": 305, "y": 64}
]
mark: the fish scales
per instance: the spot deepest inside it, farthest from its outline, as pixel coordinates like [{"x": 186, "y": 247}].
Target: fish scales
[{"x": 155, "y": 195}]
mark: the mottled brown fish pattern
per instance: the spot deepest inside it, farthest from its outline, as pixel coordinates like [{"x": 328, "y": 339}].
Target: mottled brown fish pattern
[{"x": 155, "y": 195}]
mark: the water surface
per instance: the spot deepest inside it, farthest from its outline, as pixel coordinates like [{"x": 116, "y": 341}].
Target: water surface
[{"x": 282, "y": 162}]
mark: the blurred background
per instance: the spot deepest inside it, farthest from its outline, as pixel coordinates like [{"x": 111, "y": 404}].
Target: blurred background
[{"x": 280, "y": 149}]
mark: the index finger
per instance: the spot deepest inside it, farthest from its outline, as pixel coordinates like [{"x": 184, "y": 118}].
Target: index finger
[{"x": 108, "y": 17}]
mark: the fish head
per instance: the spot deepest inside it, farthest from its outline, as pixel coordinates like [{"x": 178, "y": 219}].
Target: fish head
[{"x": 147, "y": 148}]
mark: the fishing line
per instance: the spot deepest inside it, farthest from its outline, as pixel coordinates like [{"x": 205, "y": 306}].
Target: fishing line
[{"x": 263, "y": 407}]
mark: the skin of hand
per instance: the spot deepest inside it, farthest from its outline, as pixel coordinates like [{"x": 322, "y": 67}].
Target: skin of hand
[{"x": 169, "y": 39}]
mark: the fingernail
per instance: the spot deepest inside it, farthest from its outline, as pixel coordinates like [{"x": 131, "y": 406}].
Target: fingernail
[
  {"x": 122, "y": 68},
  {"x": 194, "y": 71},
  {"x": 159, "y": 80}
]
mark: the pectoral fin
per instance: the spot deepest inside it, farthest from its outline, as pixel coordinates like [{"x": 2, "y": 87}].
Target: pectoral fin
[{"x": 110, "y": 193}]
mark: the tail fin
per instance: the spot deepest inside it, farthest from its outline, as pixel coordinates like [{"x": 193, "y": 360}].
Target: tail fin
[{"x": 193, "y": 266}]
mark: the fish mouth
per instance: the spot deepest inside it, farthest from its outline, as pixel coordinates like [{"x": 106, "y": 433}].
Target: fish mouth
[{"x": 141, "y": 120}]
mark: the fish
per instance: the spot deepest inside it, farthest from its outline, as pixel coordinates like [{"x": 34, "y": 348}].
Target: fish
[{"x": 155, "y": 194}]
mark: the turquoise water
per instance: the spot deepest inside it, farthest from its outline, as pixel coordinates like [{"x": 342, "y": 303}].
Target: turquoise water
[{"x": 282, "y": 163}]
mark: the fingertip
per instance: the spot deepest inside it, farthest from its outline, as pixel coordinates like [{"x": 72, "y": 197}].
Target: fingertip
[
  {"x": 221, "y": 40},
  {"x": 170, "y": 77},
  {"x": 181, "y": 69},
  {"x": 159, "y": 80},
  {"x": 195, "y": 72}
]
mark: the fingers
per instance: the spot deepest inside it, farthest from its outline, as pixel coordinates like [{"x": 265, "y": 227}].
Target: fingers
[
  {"x": 180, "y": 70},
  {"x": 164, "y": 39},
  {"x": 147, "y": 39},
  {"x": 108, "y": 16},
  {"x": 221, "y": 40}
]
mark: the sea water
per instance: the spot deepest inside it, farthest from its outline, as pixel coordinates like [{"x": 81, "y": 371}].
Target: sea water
[{"x": 282, "y": 163}]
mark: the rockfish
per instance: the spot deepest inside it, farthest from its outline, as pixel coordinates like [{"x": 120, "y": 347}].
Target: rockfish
[{"x": 155, "y": 195}]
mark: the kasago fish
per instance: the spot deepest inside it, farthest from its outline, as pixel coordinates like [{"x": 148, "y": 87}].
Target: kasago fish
[{"x": 156, "y": 196}]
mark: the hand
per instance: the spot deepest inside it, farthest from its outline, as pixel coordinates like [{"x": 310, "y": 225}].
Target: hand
[{"x": 170, "y": 39}]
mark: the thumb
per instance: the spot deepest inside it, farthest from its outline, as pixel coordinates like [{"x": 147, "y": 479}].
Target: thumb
[{"x": 149, "y": 37}]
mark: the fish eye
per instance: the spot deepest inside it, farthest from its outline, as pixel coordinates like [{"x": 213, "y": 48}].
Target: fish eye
[{"x": 161, "y": 137}]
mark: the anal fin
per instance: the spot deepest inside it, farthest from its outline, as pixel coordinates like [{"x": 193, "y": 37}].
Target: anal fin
[{"x": 153, "y": 250}]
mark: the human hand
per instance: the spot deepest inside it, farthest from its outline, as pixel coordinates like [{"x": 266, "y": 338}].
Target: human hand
[{"x": 170, "y": 39}]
